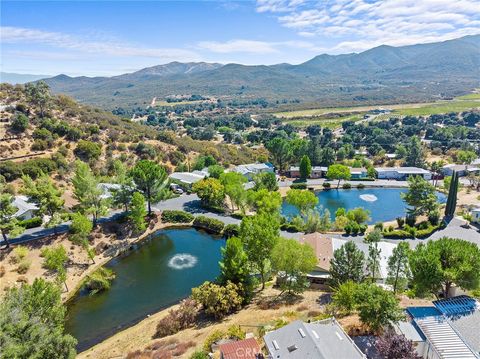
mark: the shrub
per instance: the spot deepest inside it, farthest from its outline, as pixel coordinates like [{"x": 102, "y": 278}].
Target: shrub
[
  {"x": 199, "y": 354},
  {"x": 217, "y": 300},
  {"x": 362, "y": 228},
  {"x": 24, "y": 266},
  {"x": 231, "y": 230},
  {"x": 379, "y": 226},
  {"x": 216, "y": 335},
  {"x": 410, "y": 220},
  {"x": 360, "y": 186},
  {"x": 326, "y": 185},
  {"x": 178, "y": 319},
  {"x": 434, "y": 217},
  {"x": 88, "y": 150},
  {"x": 236, "y": 332},
  {"x": 31, "y": 223},
  {"x": 39, "y": 145},
  {"x": 346, "y": 186},
  {"x": 19, "y": 253},
  {"x": 99, "y": 280},
  {"x": 20, "y": 123},
  {"x": 211, "y": 225},
  {"x": 400, "y": 222},
  {"x": 175, "y": 216},
  {"x": 301, "y": 185}
]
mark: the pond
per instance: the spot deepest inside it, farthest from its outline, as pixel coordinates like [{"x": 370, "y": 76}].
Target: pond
[
  {"x": 157, "y": 274},
  {"x": 384, "y": 204}
]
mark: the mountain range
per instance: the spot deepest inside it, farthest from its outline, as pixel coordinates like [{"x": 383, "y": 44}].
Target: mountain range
[
  {"x": 383, "y": 74},
  {"x": 14, "y": 78}
]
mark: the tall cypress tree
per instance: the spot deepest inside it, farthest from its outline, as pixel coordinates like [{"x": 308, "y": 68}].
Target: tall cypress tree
[{"x": 452, "y": 196}]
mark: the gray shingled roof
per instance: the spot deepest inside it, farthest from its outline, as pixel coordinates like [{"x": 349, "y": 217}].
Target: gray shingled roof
[{"x": 320, "y": 340}]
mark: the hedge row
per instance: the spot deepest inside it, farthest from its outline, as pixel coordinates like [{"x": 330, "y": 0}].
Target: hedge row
[
  {"x": 417, "y": 233},
  {"x": 176, "y": 216},
  {"x": 302, "y": 185},
  {"x": 31, "y": 223},
  {"x": 211, "y": 225}
]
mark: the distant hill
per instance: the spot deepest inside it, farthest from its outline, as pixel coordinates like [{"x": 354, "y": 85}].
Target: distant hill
[
  {"x": 13, "y": 78},
  {"x": 380, "y": 75}
]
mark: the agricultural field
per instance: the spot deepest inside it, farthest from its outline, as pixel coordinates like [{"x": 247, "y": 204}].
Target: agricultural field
[{"x": 324, "y": 122}]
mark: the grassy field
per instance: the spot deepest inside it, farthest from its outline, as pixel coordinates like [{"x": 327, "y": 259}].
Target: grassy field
[{"x": 303, "y": 118}]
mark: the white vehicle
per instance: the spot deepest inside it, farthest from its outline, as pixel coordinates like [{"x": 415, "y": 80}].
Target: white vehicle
[{"x": 176, "y": 188}]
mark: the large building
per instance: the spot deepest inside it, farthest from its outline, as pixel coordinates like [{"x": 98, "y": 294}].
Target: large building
[
  {"x": 324, "y": 339},
  {"x": 402, "y": 173},
  {"x": 252, "y": 169},
  {"x": 317, "y": 172},
  {"x": 461, "y": 170}
]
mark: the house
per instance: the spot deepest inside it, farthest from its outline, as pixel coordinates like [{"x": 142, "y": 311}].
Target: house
[
  {"x": 25, "y": 209},
  {"x": 324, "y": 247},
  {"x": 461, "y": 170},
  {"x": 241, "y": 349},
  {"x": 449, "y": 329},
  {"x": 356, "y": 173},
  {"x": 317, "y": 172},
  {"x": 401, "y": 173},
  {"x": 252, "y": 169},
  {"x": 324, "y": 339},
  {"x": 187, "y": 179},
  {"x": 475, "y": 213}
]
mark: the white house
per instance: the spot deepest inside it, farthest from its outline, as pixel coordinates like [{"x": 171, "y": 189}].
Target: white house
[
  {"x": 187, "y": 178},
  {"x": 107, "y": 189},
  {"x": 25, "y": 209},
  {"x": 252, "y": 169},
  {"x": 357, "y": 173},
  {"x": 461, "y": 170},
  {"x": 401, "y": 173}
]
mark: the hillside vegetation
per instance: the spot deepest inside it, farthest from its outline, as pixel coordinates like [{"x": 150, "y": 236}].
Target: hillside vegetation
[{"x": 383, "y": 74}]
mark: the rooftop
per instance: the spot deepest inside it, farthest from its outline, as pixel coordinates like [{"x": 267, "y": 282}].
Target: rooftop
[
  {"x": 23, "y": 205},
  {"x": 323, "y": 340},
  {"x": 187, "y": 177},
  {"x": 401, "y": 169},
  {"x": 241, "y": 349}
]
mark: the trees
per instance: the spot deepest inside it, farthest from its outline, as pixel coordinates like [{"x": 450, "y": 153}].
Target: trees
[
  {"x": 338, "y": 172},
  {"x": 294, "y": 260},
  {"x": 138, "y": 212},
  {"x": 265, "y": 201},
  {"x": 259, "y": 235},
  {"x": 234, "y": 265},
  {"x": 9, "y": 225},
  {"x": 210, "y": 191},
  {"x": 32, "y": 323},
  {"x": 281, "y": 152},
  {"x": 233, "y": 186},
  {"x": 398, "y": 267},
  {"x": 38, "y": 94},
  {"x": 466, "y": 157},
  {"x": 440, "y": 264},
  {"x": 421, "y": 196},
  {"x": 452, "y": 195},
  {"x": 265, "y": 180},
  {"x": 88, "y": 150},
  {"x": 391, "y": 345},
  {"x": 218, "y": 300},
  {"x": 55, "y": 259},
  {"x": 305, "y": 167},
  {"x": 215, "y": 171},
  {"x": 150, "y": 179},
  {"x": 302, "y": 199},
  {"x": 81, "y": 227},
  {"x": 376, "y": 306},
  {"x": 344, "y": 297},
  {"x": 348, "y": 263},
  {"x": 88, "y": 193},
  {"x": 373, "y": 260},
  {"x": 48, "y": 198},
  {"x": 415, "y": 155},
  {"x": 20, "y": 123},
  {"x": 359, "y": 215}
]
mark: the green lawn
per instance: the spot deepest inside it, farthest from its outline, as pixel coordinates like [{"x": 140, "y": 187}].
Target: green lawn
[
  {"x": 441, "y": 107},
  {"x": 324, "y": 122},
  {"x": 471, "y": 96}
]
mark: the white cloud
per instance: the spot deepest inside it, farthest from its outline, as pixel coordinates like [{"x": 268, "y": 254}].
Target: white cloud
[
  {"x": 246, "y": 46},
  {"x": 10, "y": 34},
  {"x": 355, "y": 25}
]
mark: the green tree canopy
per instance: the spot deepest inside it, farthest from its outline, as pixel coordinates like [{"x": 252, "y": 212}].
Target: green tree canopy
[
  {"x": 138, "y": 212},
  {"x": 32, "y": 323},
  {"x": 338, "y": 172},
  {"x": 440, "y": 264},
  {"x": 150, "y": 179},
  {"x": 398, "y": 267},
  {"x": 348, "y": 263},
  {"x": 305, "y": 167},
  {"x": 294, "y": 260},
  {"x": 210, "y": 191},
  {"x": 415, "y": 155},
  {"x": 233, "y": 185},
  {"x": 9, "y": 225},
  {"x": 265, "y": 180},
  {"x": 302, "y": 199},
  {"x": 421, "y": 196},
  {"x": 281, "y": 152}
]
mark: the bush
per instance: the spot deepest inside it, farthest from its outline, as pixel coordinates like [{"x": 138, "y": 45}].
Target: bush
[
  {"x": 231, "y": 230},
  {"x": 211, "y": 225},
  {"x": 218, "y": 301},
  {"x": 434, "y": 217},
  {"x": 362, "y": 228},
  {"x": 346, "y": 186},
  {"x": 400, "y": 222},
  {"x": 236, "y": 332},
  {"x": 216, "y": 335},
  {"x": 99, "y": 280},
  {"x": 199, "y": 354},
  {"x": 19, "y": 253},
  {"x": 326, "y": 185},
  {"x": 360, "y": 186},
  {"x": 379, "y": 226},
  {"x": 410, "y": 220},
  {"x": 88, "y": 150},
  {"x": 175, "y": 216},
  {"x": 20, "y": 123},
  {"x": 39, "y": 145},
  {"x": 301, "y": 185},
  {"x": 31, "y": 223},
  {"x": 24, "y": 266},
  {"x": 178, "y": 319}
]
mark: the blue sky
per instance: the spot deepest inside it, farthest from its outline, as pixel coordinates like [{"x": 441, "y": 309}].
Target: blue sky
[{"x": 113, "y": 37}]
